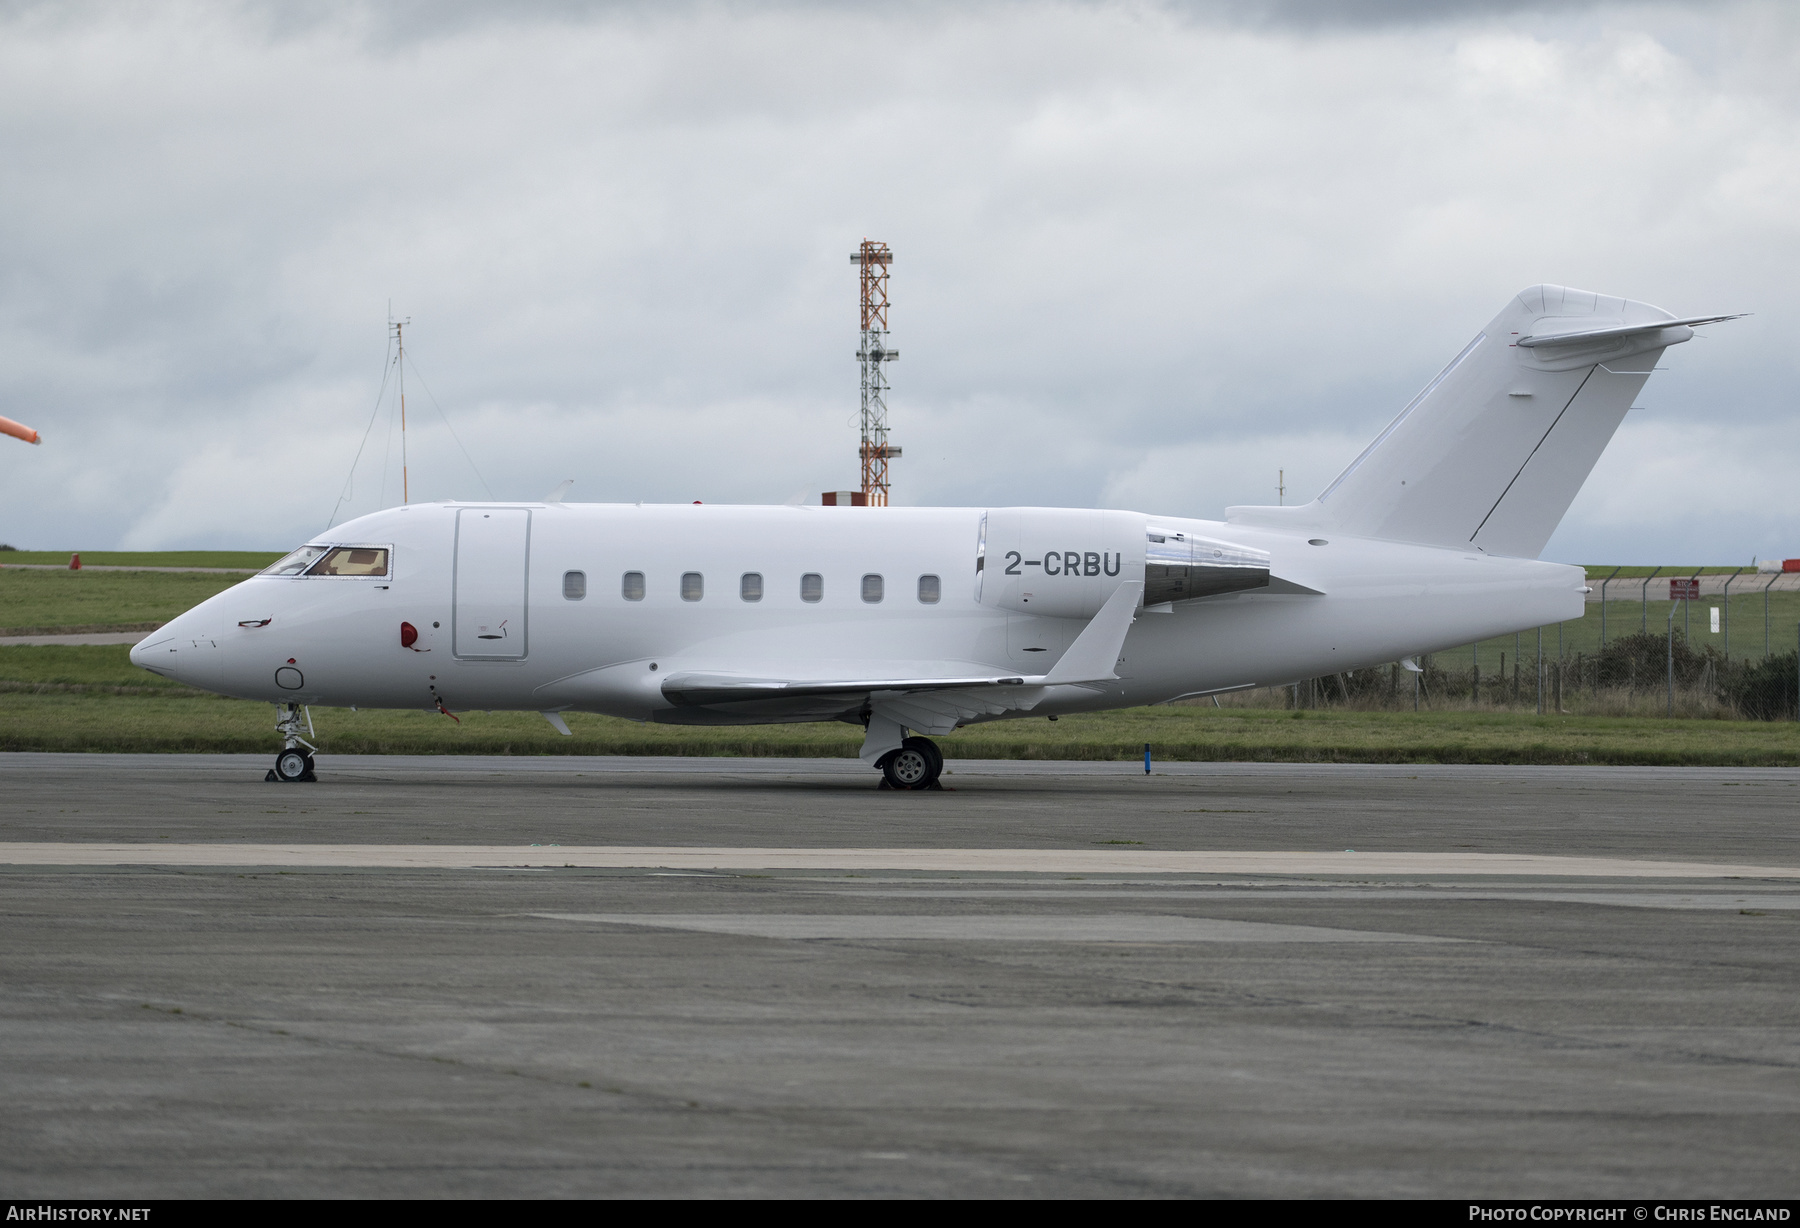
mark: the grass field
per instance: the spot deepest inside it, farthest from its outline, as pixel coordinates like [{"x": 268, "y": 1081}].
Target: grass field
[
  {"x": 96, "y": 599},
  {"x": 254, "y": 560},
  {"x": 93, "y": 699}
]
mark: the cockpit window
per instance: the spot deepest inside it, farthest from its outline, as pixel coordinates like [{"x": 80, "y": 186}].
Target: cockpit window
[
  {"x": 352, "y": 561},
  {"x": 296, "y": 562}
]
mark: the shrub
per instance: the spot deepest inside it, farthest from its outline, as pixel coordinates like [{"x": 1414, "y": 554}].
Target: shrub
[
  {"x": 1642, "y": 660},
  {"x": 1765, "y": 691}
]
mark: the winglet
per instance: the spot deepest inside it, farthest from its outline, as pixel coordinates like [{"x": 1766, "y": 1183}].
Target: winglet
[
  {"x": 562, "y": 488},
  {"x": 1095, "y": 652}
]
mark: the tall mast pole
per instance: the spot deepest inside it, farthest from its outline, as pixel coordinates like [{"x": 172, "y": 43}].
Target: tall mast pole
[
  {"x": 871, "y": 352},
  {"x": 400, "y": 344}
]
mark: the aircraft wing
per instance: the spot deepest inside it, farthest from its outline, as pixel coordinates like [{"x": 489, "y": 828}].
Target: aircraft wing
[{"x": 934, "y": 704}]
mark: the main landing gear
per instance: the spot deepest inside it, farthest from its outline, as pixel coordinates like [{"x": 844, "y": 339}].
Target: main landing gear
[
  {"x": 295, "y": 762},
  {"x": 916, "y": 765}
]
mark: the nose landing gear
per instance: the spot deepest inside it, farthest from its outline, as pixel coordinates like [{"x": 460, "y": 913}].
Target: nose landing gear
[
  {"x": 916, "y": 765},
  {"x": 293, "y": 764}
]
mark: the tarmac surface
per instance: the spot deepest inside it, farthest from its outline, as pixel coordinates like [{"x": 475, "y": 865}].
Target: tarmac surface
[{"x": 465, "y": 977}]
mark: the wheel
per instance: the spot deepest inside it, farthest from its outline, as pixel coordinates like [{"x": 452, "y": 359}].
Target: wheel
[
  {"x": 915, "y": 765},
  {"x": 292, "y": 765},
  {"x": 930, "y": 748}
]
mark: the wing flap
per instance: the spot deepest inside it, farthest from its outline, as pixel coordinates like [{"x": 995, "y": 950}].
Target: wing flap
[{"x": 694, "y": 690}]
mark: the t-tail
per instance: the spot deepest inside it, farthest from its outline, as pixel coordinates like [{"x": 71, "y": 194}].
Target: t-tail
[{"x": 1493, "y": 451}]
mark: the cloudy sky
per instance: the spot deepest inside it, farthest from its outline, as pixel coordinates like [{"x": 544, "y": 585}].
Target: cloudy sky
[{"x": 1147, "y": 255}]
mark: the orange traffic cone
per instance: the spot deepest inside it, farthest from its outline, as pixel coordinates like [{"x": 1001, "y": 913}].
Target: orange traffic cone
[{"x": 74, "y": 562}]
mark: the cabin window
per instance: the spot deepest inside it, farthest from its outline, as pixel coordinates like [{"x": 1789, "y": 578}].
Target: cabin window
[
  {"x": 574, "y": 585},
  {"x": 931, "y": 590},
  {"x": 812, "y": 587},
  {"x": 693, "y": 586},
  {"x": 750, "y": 586},
  {"x": 632, "y": 586},
  {"x": 351, "y": 561},
  {"x": 871, "y": 589}
]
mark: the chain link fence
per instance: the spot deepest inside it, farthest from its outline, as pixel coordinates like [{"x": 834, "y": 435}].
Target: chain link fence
[{"x": 1725, "y": 645}]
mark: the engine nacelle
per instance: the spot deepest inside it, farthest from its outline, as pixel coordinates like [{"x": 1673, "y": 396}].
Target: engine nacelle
[
  {"x": 1178, "y": 566},
  {"x": 1057, "y": 562}
]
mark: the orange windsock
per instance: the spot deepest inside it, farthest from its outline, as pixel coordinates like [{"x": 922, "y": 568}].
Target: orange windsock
[{"x": 18, "y": 430}]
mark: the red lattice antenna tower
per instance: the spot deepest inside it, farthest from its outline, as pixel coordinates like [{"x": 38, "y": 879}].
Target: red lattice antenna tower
[{"x": 871, "y": 352}]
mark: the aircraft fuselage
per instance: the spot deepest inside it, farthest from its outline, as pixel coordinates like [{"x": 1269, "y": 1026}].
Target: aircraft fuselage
[{"x": 593, "y": 607}]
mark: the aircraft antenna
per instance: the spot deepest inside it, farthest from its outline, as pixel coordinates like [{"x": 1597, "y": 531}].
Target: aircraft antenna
[{"x": 871, "y": 352}]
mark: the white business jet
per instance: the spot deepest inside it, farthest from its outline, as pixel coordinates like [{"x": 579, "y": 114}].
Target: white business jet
[{"x": 918, "y": 621}]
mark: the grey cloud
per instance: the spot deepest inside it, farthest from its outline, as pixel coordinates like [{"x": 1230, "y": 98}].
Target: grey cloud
[
  {"x": 1332, "y": 15},
  {"x": 1138, "y": 261}
]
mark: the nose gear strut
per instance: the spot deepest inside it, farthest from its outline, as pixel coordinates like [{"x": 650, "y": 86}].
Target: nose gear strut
[{"x": 293, "y": 763}]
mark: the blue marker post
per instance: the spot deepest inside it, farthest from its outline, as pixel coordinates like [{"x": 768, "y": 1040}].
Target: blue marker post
[{"x": 1146, "y": 758}]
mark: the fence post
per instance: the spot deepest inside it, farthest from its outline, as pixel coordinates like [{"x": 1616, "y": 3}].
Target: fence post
[
  {"x": 1603, "y": 585},
  {"x": 1671, "y": 711},
  {"x": 1766, "y": 588},
  {"x": 1727, "y": 613},
  {"x": 1644, "y": 595},
  {"x": 1540, "y": 672}
]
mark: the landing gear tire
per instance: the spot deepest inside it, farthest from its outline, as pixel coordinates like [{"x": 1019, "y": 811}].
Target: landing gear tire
[
  {"x": 937, "y": 756},
  {"x": 916, "y": 765},
  {"x": 293, "y": 765}
]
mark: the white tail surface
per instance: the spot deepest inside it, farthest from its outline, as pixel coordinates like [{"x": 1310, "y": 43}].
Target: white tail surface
[{"x": 1493, "y": 451}]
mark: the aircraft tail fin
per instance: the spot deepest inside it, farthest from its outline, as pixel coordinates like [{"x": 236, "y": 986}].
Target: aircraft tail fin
[{"x": 1493, "y": 451}]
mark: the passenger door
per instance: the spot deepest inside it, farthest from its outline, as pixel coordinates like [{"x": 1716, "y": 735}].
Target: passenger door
[{"x": 488, "y": 611}]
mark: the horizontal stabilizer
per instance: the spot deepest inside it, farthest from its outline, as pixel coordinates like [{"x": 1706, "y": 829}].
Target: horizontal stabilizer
[{"x": 1620, "y": 330}]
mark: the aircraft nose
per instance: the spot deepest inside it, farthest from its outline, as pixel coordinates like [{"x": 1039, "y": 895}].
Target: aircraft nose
[
  {"x": 183, "y": 650},
  {"x": 157, "y": 652}
]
